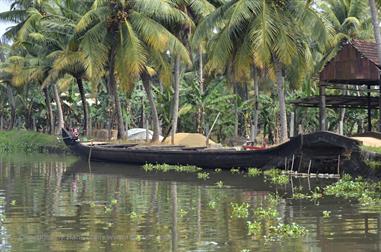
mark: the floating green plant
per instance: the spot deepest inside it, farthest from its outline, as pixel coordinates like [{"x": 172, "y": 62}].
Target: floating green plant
[
  {"x": 282, "y": 231},
  {"x": 326, "y": 214},
  {"x": 347, "y": 188},
  {"x": 167, "y": 167},
  {"x": 254, "y": 228},
  {"x": 203, "y": 175},
  {"x": 107, "y": 209},
  {"x": 212, "y": 204},
  {"x": 217, "y": 170},
  {"x": 240, "y": 211},
  {"x": 299, "y": 195},
  {"x": 134, "y": 216},
  {"x": 220, "y": 184},
  {"x": 280, "y": 179},
  {"x": 272, "y": 172},
  {"x": 183, "y": 212},
  {"x": 13, "y": 203},
  {"x": 234, "y": 170},
  {"x": 253, "y": 172},
  {"x": 114, "y": 202},
  {"x": 265, "y": 213}
]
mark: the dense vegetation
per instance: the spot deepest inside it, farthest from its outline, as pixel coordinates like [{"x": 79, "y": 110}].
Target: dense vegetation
[
  {"x": 174, "y": 64},
  {"x": 14, "y": 141}
]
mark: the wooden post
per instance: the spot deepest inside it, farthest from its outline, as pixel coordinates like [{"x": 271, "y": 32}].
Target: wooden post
[
  {"x": 147, "y": 132},
  {"x": 292, "y": 124},
  {"x": 292, "y": 163},
  {"x": 338, "y": 165},
  {"x": 322, "y": 107},
  {"x": 369, "y": 111},
  {"x": 309, "y": 168}
]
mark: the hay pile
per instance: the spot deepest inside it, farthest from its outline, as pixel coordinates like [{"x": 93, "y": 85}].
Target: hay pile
[
  {"x": 189, "y": 139},
  {"x": 369, "y": 141}
]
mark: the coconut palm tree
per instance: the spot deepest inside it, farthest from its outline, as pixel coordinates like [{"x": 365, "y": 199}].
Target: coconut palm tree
[
  {"x": 264, "y": 33},
  {"x": 128, "y": 30}
]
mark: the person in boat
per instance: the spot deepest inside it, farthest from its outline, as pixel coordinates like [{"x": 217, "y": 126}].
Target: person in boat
[
  {"x": 74, "y": 133},
  {"x": 251, "y": 145}
]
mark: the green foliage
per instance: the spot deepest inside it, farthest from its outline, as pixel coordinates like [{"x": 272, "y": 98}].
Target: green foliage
[
  {"x": 326, "y": 214},
  {"x": 371, "y": 148},
  {"x": 280, "y": 180},
  {"x": 276, "y": 177},
  {"x": 167, "y": 167},
  {"x": 212, "y": 204},
  {"x": 282, "y": 231},
  {"x": 265, "y": 213},
  {"x": 373, "y": 164},
  {"x": 235, "y": 171},
  {"x": 29, "y": 141},
  {"x": 220, "y": 184},
  {"x": 203, "y": 175},
  {"x": 240, "y": 211},
  {"x": 183, "y": 212},
  {"x": 254, "y": 228},
  {"x": 272, "y": 172},
  {"x": 254, "y": 172}
]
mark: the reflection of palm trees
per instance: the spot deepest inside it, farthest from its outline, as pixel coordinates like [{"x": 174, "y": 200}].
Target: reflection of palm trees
[{"x": 174, "y": 215}]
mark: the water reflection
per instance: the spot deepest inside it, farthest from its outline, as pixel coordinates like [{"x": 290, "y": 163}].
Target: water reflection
[{"x": 56, "y": 204}]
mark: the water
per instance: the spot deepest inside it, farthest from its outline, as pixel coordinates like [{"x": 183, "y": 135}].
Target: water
[{"x": 54, "y": 203}]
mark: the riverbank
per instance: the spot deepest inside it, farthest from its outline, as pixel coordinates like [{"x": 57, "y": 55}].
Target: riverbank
[{"x": 30, "y": 141}]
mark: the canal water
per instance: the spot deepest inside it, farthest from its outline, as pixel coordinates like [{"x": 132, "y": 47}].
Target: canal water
[{"x": 56, "y": 203}]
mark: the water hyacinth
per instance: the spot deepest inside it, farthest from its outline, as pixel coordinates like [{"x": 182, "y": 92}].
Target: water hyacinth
[
  {"x": 240, "y": 211},
  {"x": 167, "y": 167},
  {"x": 203, "y": 175},
  {"x": 253, "y": 172}
]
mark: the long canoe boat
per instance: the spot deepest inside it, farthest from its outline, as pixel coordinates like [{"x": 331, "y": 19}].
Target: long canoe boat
[{"x": 323, "y": 148}]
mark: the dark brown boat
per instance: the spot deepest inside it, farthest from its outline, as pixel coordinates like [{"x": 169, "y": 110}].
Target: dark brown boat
[{"x": 324, "y": 149}]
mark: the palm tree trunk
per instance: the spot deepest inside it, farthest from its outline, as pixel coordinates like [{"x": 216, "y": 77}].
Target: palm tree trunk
[
  {"x": 282, "y": 100},
  {"x": 84, "y": 105},
  {"x": 176, "y": 98},
  {"x": 377, "y": 36},
  {"x": 49, "y": 109},
  {"x": 114, "y": 94},
  {"x": 256, "y": 105},
  {"x": 200, "y": 112},
  {"x": 236, "y": 116},
  {"x": 12, "y": 103},
  {"x": 59, "y": 109},
  {"x": 155, "y": 117}
]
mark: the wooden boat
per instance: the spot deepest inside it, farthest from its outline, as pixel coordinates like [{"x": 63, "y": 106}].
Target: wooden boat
[{"x": 324, "y": 147}]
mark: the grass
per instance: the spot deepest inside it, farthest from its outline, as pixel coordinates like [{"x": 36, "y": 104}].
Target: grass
[
  {"x": 29, "y": 141},
  {"x": 371, "y": 148},
  {"x": 373, "y": 164}
]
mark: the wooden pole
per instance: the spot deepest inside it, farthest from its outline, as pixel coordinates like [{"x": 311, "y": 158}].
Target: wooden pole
[
  {"x": 147, "y": 133},
  {"x": 292, "y": 124},
  {"x": 369, "y": 112},
  {"x": 211, "y": 129},
  {"x": 292, "y": 162},
  {"x": 322, "y": 107},
  {"x": 338, "y": 165}
]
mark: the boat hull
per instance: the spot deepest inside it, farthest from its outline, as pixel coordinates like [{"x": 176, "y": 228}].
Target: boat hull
[{"x": 324, "y": 147}]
